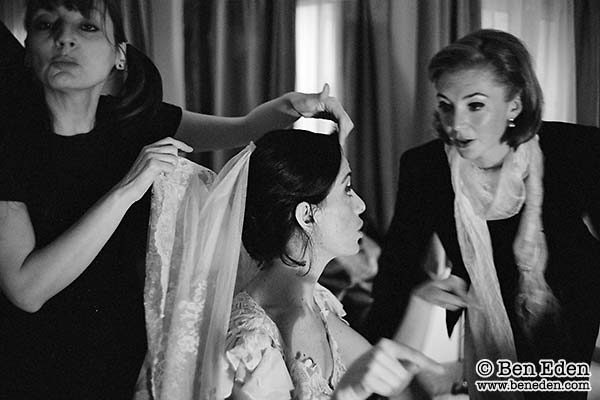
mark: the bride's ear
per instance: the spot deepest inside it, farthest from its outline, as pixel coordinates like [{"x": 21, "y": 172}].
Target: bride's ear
[{"x": 304, "y": 216}]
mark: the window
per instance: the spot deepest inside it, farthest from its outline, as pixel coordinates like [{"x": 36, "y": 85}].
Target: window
[
  {"x": 318, "y": 53},
  {"x": 546, "y": 28}
]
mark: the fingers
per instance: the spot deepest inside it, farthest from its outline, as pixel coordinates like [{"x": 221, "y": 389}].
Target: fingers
[
  {"x": 456, "y": 285},
  {"x": 154, "y": 159},
  {"x": 334, "y": 108},
  {"x": 392, "y": 367},
  {"x": 326, "y": 107},
  {"x": 378, "y": 372},
  {"x": 414, "y": 357},
  {"x": 450, "y": 293},
  {"x": 160, "y": 162},
  {"x": 324, "y": 93},
  {"x": 169, "y": 143},
  {"x": 445, "y": 300},
  {"x": 165, "y": 150}
]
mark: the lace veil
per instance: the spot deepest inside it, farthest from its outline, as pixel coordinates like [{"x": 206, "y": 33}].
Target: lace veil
[{"x": 191, "y": 265}]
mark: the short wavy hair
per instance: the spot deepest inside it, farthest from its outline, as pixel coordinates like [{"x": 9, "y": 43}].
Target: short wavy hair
[
  {"x": 141, "y": 91},
  {"x": 287, "y": 168},
  {"x": 507, "y": 58}
]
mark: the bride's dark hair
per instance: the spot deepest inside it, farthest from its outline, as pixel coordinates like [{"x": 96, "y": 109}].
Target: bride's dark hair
[{"x": 286, "y": 168}]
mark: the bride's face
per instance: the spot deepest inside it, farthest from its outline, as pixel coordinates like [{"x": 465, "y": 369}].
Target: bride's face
[{"x": 337, "y": 222}]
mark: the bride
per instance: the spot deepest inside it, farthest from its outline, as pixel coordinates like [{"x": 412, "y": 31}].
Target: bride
[{"x": 286, "y": 337}]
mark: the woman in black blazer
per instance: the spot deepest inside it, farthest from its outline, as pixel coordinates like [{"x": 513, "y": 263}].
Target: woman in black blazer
[{"x": 507, "y": 195}]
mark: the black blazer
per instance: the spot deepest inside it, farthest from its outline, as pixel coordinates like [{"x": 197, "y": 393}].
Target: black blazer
[{"x": 425, "y": 204}]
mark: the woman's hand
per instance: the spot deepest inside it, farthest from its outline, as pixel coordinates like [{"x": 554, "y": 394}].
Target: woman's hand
[
  {"x": 386, "y": 369},
  {"x": 449, "y": 293},
  {"x": 156, "y": 158},
  {"x": 322, "y": 105}
]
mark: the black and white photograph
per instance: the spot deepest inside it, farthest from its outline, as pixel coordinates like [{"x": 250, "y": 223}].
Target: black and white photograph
[{"x": 299, "y": 199}]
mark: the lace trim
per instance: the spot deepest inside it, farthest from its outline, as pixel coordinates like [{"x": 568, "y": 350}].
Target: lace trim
[
  {"x": 252, "y": 331},
  {"x": 161, "y": 277}
]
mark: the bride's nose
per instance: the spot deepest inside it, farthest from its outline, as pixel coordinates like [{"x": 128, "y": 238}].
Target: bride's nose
[{"x": 359, "y": 204}]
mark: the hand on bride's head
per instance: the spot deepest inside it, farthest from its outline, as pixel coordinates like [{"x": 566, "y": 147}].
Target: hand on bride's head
[{"x": 322, "y": 105}]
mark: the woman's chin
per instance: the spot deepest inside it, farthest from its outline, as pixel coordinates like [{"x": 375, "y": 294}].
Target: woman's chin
[
  {"x": 355, "y": 249},
  {"x": 468, "y": 152}
]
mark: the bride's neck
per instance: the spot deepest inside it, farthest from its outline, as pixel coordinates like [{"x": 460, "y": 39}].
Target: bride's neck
[{"x": 279, "y": 286}]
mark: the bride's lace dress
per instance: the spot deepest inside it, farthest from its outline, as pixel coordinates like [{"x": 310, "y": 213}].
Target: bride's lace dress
[
  {"x": 193, "y": 255},
  {"x": 260, "y": 364}
]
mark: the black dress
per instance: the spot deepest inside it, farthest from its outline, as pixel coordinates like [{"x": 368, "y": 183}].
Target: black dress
[
  {"x": 425, "y": 204},
  {"x": 88, "y": 341}
]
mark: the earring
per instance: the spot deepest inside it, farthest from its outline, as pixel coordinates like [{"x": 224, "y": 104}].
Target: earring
[
  {"x": 121, "y": 65},
  {"x": 511, "y": 123}
]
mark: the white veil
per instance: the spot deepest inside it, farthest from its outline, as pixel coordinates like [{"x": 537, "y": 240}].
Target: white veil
[{"x": 193, "y": 251}]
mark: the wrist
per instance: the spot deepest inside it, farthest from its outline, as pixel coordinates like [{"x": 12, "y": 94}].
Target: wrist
[
  {"x": 290, "y": 101},
  {"x": 121, "y": 196},
  {"x": 347, "y": 393}
]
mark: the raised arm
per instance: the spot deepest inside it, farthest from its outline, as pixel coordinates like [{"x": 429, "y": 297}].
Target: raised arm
[
  {"x": 207, "y": 132},
  {"x": 31, "y": 275}
]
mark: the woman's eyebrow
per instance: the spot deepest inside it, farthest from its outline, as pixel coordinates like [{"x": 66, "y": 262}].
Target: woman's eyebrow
[{"x": 475, "y": 94}]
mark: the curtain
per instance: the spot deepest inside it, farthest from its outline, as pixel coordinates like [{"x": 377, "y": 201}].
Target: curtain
[
  {"x": 239, "y": 54},
  {"x": 387, "y": 46},
  {"x": 318, "y": 54},
  {"x": 547, "y": 29},
  {"x": 12, "y": 13},
  {"x": 587, "y": 55},
  {"x": 137, "y": 18}
]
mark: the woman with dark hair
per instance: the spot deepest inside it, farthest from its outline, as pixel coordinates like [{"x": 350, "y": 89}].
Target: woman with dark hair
[
  {"x": 301, "y": 212},
  {"x": 286, "y": 336},
  {"x": 507, "y": 195},
  {"x": 75, "y": 167}
]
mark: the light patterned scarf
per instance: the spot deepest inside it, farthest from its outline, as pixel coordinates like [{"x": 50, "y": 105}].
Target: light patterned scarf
[{"x": 488, "y": 330}]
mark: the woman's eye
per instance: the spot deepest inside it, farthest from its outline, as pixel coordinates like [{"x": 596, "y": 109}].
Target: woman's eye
[
  {"x": 444, "y": 107},
  {"x": 476, "y": 106},
  {"x": 89, "y": 27},
  {"x": 43, "y": 25}
]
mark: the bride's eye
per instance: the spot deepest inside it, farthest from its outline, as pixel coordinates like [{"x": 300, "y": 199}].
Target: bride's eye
[{"x": 348, "y": 189}]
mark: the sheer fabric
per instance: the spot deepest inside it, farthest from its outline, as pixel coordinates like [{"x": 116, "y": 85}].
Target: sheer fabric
[
  {"x": 193, "y": 252},
  {"x": 488, "y": 333},
  {"x": 488, "y": 330}
]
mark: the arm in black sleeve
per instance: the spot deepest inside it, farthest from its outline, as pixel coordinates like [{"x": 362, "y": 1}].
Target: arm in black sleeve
[{"x": 400, "y": 268}]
